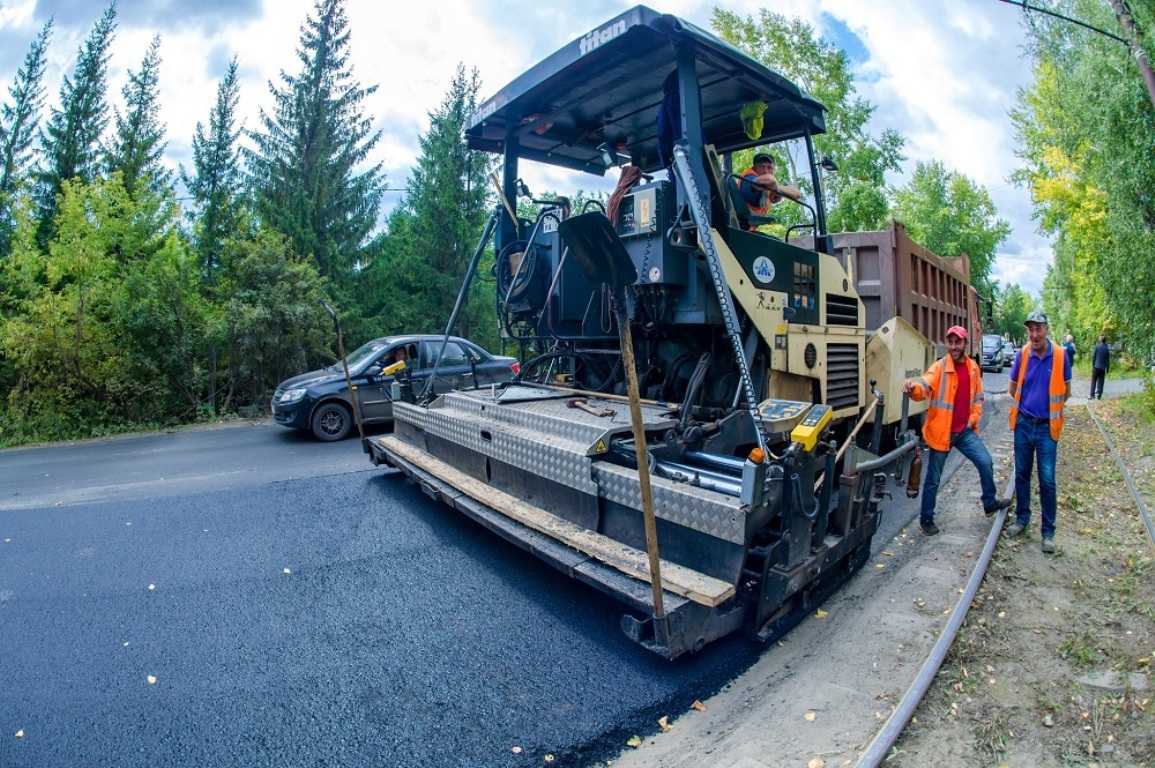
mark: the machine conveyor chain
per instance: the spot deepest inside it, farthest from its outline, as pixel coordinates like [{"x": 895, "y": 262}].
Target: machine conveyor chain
[{"x": 721, "y": 289}]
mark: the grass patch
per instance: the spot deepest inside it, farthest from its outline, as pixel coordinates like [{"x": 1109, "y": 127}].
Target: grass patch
[
  {"x": 1118, "y": 370},
  {"x": 1044, "y": 623},
  {"x": 1082, "y": 650}
]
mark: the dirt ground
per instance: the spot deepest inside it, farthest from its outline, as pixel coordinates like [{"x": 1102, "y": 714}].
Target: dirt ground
[{"x": 1053, "y": 666}]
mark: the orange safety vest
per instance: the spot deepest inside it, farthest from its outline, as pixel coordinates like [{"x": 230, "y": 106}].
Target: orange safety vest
[
  {"x": 768, "y": 198},
  {"x": 1057, "y": 387},
  {"x": 936, "y": 430}
]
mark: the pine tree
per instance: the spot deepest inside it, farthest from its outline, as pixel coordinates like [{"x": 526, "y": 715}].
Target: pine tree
[
  {"x": 304, "y": 168},
  {"x": 216, "y": 181},
  {"x": 433, "y": 237},
  {"x": 71, "y": 143},
  {"x": 139, "y": 141},
  {"x": 19, "y": 121}
]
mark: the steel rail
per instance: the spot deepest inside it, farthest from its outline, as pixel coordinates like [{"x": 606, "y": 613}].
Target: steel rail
[
  {"x": 1142, "y": 506},
  {"x": 880, "y": 746}
]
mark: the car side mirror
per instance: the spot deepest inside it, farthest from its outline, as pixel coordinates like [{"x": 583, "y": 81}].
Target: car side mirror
[{"x": 373, "y": 371}]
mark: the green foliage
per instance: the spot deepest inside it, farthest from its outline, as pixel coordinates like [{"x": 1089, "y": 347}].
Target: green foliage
[
  {"x": 270, "y": 322},
  {"x": 856, "y": 196},
  {"x": 71, "y": 140},
  {"x": 139, "y": 142},
  {"x": 433, "y": 234},
  {"x": 950, "y": 214},
  {"x": 19, "y": 123},
  {"x": 215, "y": 181},
  {"x": 304, "y": 169},
  {"x": 1087, "y": 141},
  {"x": 1012, "y": 305},
  {"x": 73, "y": 344}
]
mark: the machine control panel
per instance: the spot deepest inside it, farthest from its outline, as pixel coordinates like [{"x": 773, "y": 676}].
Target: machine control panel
[
  {"x": 638, "y": 213},
  {"x": 782, "y": 415},
  {"x": 645, "y": 211},
  {"x": 810, "y": 428}
]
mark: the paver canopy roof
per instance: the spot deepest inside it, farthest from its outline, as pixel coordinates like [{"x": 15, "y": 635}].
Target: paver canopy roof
[{"x": 605, "y": 88}]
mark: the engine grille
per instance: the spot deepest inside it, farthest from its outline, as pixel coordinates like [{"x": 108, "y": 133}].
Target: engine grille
[
  {"x": 841, "y": 375},
  {"x": 841, "y": 310}
]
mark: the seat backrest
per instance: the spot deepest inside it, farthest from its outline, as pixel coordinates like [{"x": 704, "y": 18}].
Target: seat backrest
[{"x": 722, "y": 192}]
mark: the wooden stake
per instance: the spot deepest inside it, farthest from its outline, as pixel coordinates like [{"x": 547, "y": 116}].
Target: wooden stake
[{"x": 627, "y": 340}]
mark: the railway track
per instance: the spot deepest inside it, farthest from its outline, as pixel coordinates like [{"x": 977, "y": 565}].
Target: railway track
[{"x": 881, "y": 745}]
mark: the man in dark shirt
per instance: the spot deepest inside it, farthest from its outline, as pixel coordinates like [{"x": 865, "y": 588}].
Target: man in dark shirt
[{"x": 1100, "y": 362}]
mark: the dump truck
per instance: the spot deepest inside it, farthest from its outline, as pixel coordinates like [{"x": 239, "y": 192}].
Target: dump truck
[
  {"x": 687, "y": 432},
  {"x": 895, "y": 276}
]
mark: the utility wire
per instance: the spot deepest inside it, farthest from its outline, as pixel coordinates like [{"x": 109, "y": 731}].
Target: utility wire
[
  {"x": 1023, "y": 4},
  {"x": 1126, "y": 20}
]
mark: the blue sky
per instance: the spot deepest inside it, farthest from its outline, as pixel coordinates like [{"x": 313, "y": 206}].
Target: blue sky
[{"x": 942, "y": 72}]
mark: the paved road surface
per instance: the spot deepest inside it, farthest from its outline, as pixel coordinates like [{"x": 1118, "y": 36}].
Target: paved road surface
[{"x": 402, "y": 635}]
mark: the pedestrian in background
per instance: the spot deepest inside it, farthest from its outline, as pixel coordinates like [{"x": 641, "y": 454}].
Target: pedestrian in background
[
  {"x": 1039, "y": 387},
  {"x": 1100, "y": 363},
  {"x": 1069, "y": 347},
  {"x": 954, "y": 386}
]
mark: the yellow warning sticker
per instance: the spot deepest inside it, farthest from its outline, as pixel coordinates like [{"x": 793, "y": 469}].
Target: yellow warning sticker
[{"x": 600, "y": 446}]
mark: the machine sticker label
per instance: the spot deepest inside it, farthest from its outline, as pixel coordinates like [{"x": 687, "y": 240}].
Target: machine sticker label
[
  {"x": 763, "y": 270},
  {"x": 600, "y": 446},
  {"x": 600, "y": 37}
]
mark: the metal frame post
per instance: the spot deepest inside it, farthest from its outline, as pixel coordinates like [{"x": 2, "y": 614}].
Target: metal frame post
[
  {"x": 691, "y": 120},
  {"x": 507, "y": 232},
  {"x": 820, "y": 236}
]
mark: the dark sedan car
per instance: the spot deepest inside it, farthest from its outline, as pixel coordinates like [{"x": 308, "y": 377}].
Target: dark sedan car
[
  {"x": 318, "y": 401},
  {"x": 995, "y": 353}
]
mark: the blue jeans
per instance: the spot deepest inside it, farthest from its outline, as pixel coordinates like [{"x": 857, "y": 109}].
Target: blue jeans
[
  {"x": 1033, "y": 440},
  {"x": 970, "y": 445}
]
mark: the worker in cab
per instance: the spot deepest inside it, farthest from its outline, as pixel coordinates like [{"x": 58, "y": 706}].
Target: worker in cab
[
  {"x": 760, "y": 188},
  {"x": 954, "y": 387}
]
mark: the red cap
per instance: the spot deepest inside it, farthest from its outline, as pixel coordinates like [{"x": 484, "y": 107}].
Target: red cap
[{"x": 957, "y": 330}]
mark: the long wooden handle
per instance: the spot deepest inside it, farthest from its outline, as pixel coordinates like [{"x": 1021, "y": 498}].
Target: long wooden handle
[
  {"x": 627, "y": 339},
  {"x": 501, "y": 196}
]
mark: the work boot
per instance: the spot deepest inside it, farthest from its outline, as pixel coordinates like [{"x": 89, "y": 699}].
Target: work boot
[
  {"x": 998, "y": 505},
  {"x": 930, "y": 529},
  {"x": 1015, "y": 529},
  {"x": 1049, "y": 545}
]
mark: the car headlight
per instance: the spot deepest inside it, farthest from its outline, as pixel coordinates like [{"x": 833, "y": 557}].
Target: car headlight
[{"x": 291, "y": 395}]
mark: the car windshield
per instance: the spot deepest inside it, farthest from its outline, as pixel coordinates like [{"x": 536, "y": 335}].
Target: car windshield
[
  {"x": 991, "y": 342},
  {"x": 362, "y": 355}
]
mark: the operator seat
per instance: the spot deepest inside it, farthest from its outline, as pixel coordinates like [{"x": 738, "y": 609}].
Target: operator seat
[
  {"x": 728, "y": 199},
  {"x": 746, "y": 218}
]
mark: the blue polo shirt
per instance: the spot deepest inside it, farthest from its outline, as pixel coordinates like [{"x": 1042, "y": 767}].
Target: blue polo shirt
[{"x": 1036, "y": 395}]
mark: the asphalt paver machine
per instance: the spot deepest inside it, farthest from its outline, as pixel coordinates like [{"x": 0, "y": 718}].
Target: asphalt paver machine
[{"x": 751, "y": 352}]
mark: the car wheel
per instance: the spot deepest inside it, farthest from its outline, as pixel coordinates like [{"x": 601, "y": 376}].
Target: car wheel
[{"x": 331, "y": 422}]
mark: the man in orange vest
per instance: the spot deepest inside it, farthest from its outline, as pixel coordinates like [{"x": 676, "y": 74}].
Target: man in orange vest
[
  {"x": 954, "y": 385},
  {"x": 760, "y": 188},
  {"x": 1040, "y": 385}
]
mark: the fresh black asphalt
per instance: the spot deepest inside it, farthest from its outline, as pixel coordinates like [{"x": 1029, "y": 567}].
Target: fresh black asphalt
[
  {"x": 337, "y": 618},
  {"x": 403, "y": 634}
]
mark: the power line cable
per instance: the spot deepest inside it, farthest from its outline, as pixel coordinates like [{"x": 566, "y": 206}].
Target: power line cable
[{"x": 1023, "y": 4}]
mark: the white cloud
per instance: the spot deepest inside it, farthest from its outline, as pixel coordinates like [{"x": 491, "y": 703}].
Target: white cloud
[{"x": 943, "y": 73}]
